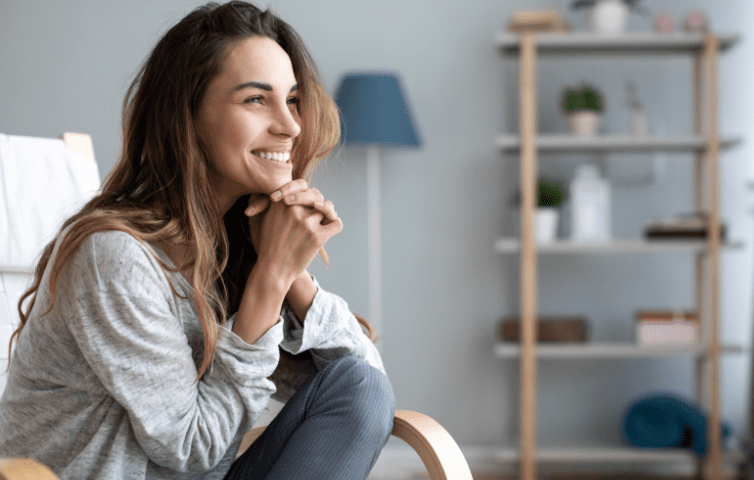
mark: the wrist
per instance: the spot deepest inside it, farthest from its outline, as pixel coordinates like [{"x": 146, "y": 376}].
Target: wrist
[
  {"x": 261, "y": 304},
  {"x": 302, "y": 286},
  {"x": 301, "y": 295},
  {"x": 268, "y": 279}
]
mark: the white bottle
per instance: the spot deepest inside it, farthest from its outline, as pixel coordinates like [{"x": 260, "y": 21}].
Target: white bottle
[{"x": 590, "y": 206}]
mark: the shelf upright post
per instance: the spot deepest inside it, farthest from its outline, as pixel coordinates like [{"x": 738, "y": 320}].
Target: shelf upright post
[
  {"x": 528, "y": 256},
  {"x": 711, "y": 48},
  {"x": 702, "y": 277}
]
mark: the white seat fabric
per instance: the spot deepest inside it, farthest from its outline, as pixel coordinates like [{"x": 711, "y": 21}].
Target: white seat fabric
[{"x": 41, "y": 184}]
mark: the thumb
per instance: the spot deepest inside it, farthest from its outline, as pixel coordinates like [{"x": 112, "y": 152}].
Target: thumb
[{"x": 257, "y": 204}]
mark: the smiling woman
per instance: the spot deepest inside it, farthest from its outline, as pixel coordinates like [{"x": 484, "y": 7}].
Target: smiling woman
[{"x": 194, "y": 253}]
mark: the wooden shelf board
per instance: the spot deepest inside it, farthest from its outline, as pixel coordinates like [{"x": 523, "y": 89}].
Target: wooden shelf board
[
  {"x": 608, "y": 350},
  {"x": 630, "y": 42},
  {"x": 511, "y": 246},
  {"x": 608, "y": 454},
  {"x": 563, "y": 143},
  {"x": 16, "y": 269}
]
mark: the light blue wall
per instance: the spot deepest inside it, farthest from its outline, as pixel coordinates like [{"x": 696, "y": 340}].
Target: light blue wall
[{"x": 66, "y": 68}]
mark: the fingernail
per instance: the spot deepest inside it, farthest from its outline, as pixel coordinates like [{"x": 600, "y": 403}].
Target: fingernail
[
  {"x": 249, "y": 210},
  {"x": 277, "y": 194},
  {"x": 320, "y": 204},
  {"x": 292, "y": 198}
]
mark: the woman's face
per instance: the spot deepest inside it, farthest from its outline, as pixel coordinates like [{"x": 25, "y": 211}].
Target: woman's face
[{"x": 248, "y": 121}]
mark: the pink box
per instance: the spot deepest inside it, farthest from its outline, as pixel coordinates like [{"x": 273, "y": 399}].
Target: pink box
[{"x": 665, "y": 329}]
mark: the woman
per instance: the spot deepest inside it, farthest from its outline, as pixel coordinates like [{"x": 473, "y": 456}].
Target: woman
[{"x": 194, "y": 256}]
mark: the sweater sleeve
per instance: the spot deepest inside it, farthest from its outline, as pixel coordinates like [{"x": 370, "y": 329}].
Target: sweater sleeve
[
  {"x": 129, "y": 329},
  {"x": 329, "y": 331}
]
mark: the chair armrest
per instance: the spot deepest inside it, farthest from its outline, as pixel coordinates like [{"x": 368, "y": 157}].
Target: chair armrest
[
  {"x": 437, "y": 449},
  {"x": 24, "y": 469},
  {"x": 248, "y": 439},
  {"x": 440, "y": 453}
]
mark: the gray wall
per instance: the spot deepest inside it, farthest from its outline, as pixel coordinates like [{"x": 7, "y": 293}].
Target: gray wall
[{"x": 66, "y": 68}]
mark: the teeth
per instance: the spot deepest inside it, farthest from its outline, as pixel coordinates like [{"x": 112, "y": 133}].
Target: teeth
[{"x": 277, "y": 157}]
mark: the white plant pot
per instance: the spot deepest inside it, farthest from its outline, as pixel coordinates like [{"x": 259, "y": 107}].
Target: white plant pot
[
  {"x": 584, "y": 122},
  {"x": 608, "y": 17},
  {"x": 546, "y": 224}
]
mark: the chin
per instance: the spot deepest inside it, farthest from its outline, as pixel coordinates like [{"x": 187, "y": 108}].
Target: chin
[{"x": 279, "y": 183}]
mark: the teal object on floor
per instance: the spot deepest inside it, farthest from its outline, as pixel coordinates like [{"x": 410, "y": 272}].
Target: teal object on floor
[{"x": 667, "y": 421}]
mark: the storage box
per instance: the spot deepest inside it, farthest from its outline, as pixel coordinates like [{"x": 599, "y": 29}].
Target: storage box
[
  {"x": 657, "y": 328},
  {"x": 549, "y": 329}
]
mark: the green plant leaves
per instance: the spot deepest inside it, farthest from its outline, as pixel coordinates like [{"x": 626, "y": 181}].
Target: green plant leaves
[
  {"x": 550, "y": 194},
  {"x": 585, "y": 99}
]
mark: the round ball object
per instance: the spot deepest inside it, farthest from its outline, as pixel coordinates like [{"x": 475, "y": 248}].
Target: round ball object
[
  {"x": 696, "y": 21},
  {"x": 664, "y": 22}
]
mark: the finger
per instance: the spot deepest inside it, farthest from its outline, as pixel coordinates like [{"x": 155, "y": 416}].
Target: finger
[
  {"x": 311, "y": 197},
  {"x": 328, "y": 209},
  {"x": 314, "y": 199},
  {"x": 333, "y": 228},
  {"x": 297, "y": 185},
  {"x": 257, "y": 205}
]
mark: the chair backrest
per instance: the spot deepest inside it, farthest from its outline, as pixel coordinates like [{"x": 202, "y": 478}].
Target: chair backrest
[{"x": 26, "y": 165}]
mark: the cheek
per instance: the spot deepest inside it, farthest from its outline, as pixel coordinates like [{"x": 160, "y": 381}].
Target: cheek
[
  {"x": 224, "y": 137},
  {"x": 296, "y": 116},
  {"x": 240, "y": 130}
]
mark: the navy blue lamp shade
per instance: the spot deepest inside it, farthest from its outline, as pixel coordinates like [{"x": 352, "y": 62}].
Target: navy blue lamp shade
[{"x": 374, "y": 111}]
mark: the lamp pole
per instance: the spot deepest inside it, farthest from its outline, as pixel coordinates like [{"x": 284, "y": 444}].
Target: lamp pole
[{"x": 375, "y": 265}]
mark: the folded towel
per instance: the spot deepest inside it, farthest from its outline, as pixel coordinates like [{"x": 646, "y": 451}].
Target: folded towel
[
  {"x": 42, "y": 183},
  {"x": 667, "y": 421}
]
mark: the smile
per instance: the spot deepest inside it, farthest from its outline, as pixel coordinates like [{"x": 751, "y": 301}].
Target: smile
[{"x": 281, "y": 157}]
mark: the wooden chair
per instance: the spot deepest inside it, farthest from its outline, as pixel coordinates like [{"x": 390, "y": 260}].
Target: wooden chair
[{"x": 441, "y": 455}]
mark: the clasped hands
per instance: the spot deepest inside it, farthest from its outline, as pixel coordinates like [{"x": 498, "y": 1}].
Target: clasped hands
[{"x": 289, "y": 226}]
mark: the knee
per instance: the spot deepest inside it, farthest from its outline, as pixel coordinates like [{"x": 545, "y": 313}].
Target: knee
[{"x": 372, "y": 401}]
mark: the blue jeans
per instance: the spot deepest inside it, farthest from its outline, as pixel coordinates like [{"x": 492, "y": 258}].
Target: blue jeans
[{"x": 334, "y": 427}]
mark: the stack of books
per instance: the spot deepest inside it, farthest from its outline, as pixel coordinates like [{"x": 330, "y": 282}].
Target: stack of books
[{"x": 688, "y": 226}]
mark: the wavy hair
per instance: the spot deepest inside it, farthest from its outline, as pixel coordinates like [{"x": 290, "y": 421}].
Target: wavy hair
[{"x": 159, "y": 189}]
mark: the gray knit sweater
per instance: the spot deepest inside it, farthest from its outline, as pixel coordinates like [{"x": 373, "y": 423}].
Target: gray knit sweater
[{"x": 101, "y": 387}]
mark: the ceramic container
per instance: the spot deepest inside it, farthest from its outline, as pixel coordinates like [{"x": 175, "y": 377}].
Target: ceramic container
[{"x": 608, "y": 17}]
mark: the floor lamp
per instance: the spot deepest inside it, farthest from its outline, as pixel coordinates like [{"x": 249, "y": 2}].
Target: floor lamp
[{"x": 374, "y": 115}]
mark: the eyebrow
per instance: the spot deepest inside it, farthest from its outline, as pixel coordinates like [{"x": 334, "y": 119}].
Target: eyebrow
[{"x": 260, "y": 85}]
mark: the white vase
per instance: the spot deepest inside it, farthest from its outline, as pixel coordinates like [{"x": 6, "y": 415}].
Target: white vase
[
  {"x": 590, "y": 196},
  {"x": 608, "y": 17},
  {"x": 584, "y": 122},
  {"x": 546, "y": 224}
]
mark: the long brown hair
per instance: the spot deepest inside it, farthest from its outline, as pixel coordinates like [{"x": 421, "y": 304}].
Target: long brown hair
[{"x": 159, "y": 189}]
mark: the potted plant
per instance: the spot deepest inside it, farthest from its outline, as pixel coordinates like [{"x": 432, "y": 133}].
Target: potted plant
[
  {"x": 583, "y": 107},
  {"x": 608, "y": 17},
  {"x": 549, "y": 198}
]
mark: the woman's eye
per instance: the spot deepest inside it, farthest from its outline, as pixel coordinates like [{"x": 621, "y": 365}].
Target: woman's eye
[
  {"x": 294, "y": 101},
  {"x": 253, "y": 100}
]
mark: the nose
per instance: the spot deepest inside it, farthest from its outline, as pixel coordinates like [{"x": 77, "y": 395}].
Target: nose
[{"x": 286, "y": 121}]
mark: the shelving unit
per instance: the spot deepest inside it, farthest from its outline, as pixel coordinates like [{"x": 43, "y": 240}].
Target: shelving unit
[{"x": 705, "y": 144}]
